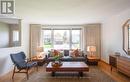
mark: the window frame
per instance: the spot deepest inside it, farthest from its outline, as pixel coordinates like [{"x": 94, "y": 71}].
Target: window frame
[{"x": 70, "y": 35}]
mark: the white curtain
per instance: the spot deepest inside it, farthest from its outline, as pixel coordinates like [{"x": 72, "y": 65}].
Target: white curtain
[
  {"x": 83, "y": 38},
  {"x": 35, "y": 38},
  {"x": 92, "y": 37}
]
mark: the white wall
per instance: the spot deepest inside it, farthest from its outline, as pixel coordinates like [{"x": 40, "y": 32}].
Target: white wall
[
  {"x": 112, "y": 38},
  {"x": 4, "y": 35},
  {"x": 5, "y": 62}
]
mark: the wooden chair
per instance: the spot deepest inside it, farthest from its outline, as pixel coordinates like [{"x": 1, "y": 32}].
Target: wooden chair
[{"x": 20, "y": 63}]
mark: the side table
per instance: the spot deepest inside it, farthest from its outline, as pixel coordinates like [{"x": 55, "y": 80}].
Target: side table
[
  {"x": 40, "y": 60},
  {"x": 92, "y": 60}
]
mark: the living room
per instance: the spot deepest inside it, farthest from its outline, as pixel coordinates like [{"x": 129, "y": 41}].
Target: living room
[{"x": 95, "y": 29}]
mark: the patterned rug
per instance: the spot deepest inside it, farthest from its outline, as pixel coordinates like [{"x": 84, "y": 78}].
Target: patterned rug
[{"x": 94, "y": 75}]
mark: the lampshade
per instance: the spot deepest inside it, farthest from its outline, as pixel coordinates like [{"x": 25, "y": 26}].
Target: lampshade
[
  {"x": 91, "y": 48},
  {"x": 39, "y": 49}
]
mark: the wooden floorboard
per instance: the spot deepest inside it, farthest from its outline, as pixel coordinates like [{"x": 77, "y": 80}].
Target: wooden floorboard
[{"x": 119, "y": 77}]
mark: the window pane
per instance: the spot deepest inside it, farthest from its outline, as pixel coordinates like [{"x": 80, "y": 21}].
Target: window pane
[
  {"x": 61, "y": 39},
  {"x": 47, "y": 40},
  {"x": 75, "y": 39},
  {"x": 15, "y": 35}
]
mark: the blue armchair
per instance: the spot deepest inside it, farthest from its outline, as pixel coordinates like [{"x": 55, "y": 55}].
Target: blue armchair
[{"x": 20, "y": 63}]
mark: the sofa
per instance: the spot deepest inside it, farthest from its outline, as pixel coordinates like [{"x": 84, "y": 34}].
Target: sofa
[{"x": 67, "y": 57}]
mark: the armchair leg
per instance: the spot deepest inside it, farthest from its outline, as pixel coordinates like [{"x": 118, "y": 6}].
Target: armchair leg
[
  {"x": 27, "y": 74},
  {"x": 13, "y": 72},
  {"x": 37, "y": 67}
]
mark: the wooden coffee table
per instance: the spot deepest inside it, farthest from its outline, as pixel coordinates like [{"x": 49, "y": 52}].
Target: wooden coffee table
[{"x": 79, "y": 67}]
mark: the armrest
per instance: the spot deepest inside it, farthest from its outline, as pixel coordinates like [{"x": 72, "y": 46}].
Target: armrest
[
  {"x": 84, "y": 55},
  {"x": 28, "y": 59}
]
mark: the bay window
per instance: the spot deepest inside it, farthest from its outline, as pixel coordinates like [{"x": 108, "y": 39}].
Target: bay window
[{"x": 58, "y": 38}]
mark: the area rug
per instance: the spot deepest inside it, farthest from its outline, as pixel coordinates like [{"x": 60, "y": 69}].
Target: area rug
[{"x": 94, "y": 75}]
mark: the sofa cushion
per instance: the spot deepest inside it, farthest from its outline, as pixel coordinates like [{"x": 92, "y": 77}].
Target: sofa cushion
[
  {"x": 79, "y": 59},
  {"x": 68, "y": 58}
]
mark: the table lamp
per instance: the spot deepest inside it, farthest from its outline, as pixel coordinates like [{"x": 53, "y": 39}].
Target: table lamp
[
  {"x": 39, "y": 52},
  {"x": 91, "y": 49}
]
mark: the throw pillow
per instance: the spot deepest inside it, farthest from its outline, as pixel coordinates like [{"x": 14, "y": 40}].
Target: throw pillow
[
  {"x": 75, "y": 53},
  {"x": 52, "y": 53},
  {"x": 61, "y": 53},
  {"x": 71, "y": 54},
  {"x": 56, "y": 53}
]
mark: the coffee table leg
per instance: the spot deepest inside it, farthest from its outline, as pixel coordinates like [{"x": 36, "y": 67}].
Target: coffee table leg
[
  {"x": 81, "y": 74},
  {"x": 53, "y": 73}
]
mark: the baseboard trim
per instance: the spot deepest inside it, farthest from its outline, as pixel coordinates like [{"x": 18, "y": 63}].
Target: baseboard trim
[{"x": 104, "y": 62}]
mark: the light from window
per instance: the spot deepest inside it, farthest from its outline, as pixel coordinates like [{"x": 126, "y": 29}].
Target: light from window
[
  {"x": 47, "y": 39},
  {"x": 75, "y": 39},
  {"x": 15, "y": 35},
  {"x": 61, "y": 39}
]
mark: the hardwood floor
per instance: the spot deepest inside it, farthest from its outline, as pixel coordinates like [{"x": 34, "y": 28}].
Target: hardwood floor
[
  {"x": 119, "y": 77},
  {"x": 102, "y": 65}
]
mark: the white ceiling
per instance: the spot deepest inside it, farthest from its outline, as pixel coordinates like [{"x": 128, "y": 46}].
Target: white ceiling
[{"x": 69, "y": 11}]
